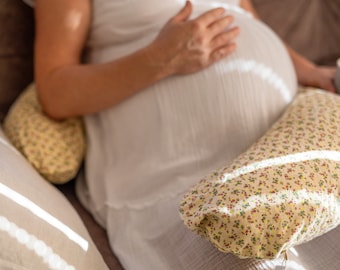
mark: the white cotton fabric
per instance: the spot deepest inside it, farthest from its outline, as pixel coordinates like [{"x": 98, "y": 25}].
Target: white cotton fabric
[
  {"x": 144, "y": 153},
  {"x": 162, "y": 140}
]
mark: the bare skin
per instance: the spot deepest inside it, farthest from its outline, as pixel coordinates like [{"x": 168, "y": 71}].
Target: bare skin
[
  {"x": 68, "y": 88},
  {"x": 309, "y": 74}
]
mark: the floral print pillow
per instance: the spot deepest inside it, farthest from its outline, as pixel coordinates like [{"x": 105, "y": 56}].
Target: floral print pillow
[
  {"x": 283, "y": 191},
  {"x": 55, "y": 148}
]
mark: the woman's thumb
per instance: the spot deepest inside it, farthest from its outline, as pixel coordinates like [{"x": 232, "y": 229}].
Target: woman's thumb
[{"x": 183, "y": 14}]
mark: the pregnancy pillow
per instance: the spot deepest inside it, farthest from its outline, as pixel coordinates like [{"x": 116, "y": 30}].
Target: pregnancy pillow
[
  {"x": 283, "y": 191},
  {"x": 56, "y": 149}
]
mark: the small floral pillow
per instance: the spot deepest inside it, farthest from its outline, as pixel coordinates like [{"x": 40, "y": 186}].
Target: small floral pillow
[
  {"x": 54, "y": 148},
  {"x": 283, "y": 191}
]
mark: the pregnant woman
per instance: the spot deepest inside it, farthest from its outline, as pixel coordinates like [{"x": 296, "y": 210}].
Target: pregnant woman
[{"x": 170, "y": 90}]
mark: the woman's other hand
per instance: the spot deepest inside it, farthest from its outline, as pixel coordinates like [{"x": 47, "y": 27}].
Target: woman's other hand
[
  {"x": 324, "y": 78},
  {"x": 185, "y": 46},
  {"x": 320, "y": 77}
]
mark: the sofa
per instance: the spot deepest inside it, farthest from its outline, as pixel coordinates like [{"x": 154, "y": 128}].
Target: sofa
[
  {"x": 310, "y": 27},
  {"x": 16, "y": 72}
]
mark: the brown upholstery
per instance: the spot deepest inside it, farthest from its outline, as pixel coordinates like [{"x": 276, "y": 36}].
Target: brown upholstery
[
  {"x": 16, "y": 46},
  {"x": 311, "y": 27}
]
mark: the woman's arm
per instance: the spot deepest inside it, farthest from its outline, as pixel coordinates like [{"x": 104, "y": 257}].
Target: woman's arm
[
  {"x": 68, "y": 88},
  {"x": 308, "y": 73}
]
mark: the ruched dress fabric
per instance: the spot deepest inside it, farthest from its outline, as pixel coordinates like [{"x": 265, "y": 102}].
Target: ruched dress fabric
[
  {"x": 141, "y": 216},
  {"x": 145, "y": 152}
]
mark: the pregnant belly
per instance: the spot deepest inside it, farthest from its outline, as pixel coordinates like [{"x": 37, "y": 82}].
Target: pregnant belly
[
  {"x": 185, "y": 126},
  {"x": 229, "y": 104}
]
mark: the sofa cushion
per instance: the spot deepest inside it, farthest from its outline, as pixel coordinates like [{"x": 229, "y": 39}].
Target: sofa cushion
[{"x": 39, "y": 229}]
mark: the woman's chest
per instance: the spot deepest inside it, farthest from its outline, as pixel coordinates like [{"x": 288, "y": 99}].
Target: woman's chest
[
  {"x": 117, "y": 21},
  {"x": 122, "y": 21}
]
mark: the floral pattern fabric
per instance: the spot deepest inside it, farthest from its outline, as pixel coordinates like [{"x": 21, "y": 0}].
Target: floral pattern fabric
[
  {"x": 55, "y": 148},
  {"x": 283, "y": 191}
]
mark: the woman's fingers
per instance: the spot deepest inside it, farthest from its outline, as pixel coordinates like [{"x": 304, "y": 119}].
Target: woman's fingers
[
  {"x": 183, "y": 15},
  {"x": 221, "y": 24},
  {"x": 215, "y": 28},
  {"x": 225, "y": 38},
  {"x": 210, "y": 16},
  {"x": 326, "y": 81},
  {"x": 185, "y": 46},
  {"x": 319, "y": 77},
  {"x": 222, "y": 52}
]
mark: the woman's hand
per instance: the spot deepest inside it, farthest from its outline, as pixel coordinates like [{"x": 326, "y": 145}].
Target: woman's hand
[
  {"x": 317, "y": 76},
  {"x": 185, "y": 46},
  {"x": 320, "y": 77},
  {"x": 309, "y": 74},
  {"x": 68, "y": 88}
]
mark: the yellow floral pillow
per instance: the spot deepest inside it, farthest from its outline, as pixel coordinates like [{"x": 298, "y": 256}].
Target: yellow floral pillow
[
  {"x": 55, "y": 148},
  {"x": 283, "y": 191}
]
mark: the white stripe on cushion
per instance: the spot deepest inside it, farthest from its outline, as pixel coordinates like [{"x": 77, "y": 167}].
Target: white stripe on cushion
[
  {"x": 328, "y": 201},
  {"x": 262, "y": 71},
  {"x": 53, "y": 260},
  {"x": 42, "y": 214},
  {"x": 293, "y": 158}
]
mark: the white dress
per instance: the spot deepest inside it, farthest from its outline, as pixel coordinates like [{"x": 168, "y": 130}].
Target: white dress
[{"x": 144, "y": 153}]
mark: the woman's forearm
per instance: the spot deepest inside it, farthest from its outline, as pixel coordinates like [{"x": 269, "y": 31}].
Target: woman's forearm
[
  {"x": 65, "y": 86},
  {"x": 309, "y": 74},
  {"x": 74, "y": 90},
  {"x": 68, "y": 88}
]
